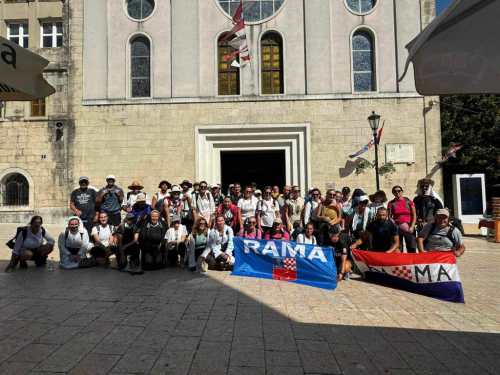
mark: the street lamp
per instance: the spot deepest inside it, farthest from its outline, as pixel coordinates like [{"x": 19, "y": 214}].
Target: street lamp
[{"x": 374, "y": 121}]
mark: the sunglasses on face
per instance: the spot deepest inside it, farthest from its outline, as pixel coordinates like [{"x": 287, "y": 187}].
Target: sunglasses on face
[
  {"x": 296, "y": 191},
  {"x": 267, "y": 193},
  {"x": 364, "y": 203},
  {"x": 83, "y": 182},
  {"x": 252, "y": 222},
  {"x": 397, "y": 191},
  {"x": 248, "y": 192},
  {"x": 424, "y": 186},
  {"x": 331, "y": 195},
  {"x": 203, "y": 187},
  {"x": 202, "y": 224},
  {"x": 315, "y": 195}
]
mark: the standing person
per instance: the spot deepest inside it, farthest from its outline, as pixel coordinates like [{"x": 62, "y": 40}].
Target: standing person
[
  {"x": 103, "y": 236},
  {"x": 338, "y": 199},
  {"x": 346, "y": 192},
  {"x": 358, "y": 218},
  {"x": 276, "y": 192},
  {"x": 378, "y": 201},
  {"x": 230, "y": 190},
  {"x": 267, "y": 210},
  {"x": 29, "y": 245},
  {"x": 307, "y": 237},
  {"x": 198, "y": 242},
  {"x": 311, "y": 210},
  {"x": 230, "y": 212},
  {"x": 202, "y": 203},
  {"x": 73, "y": 243},
  {"x": 384, "y": 234},
  {"x": 196, "y": 186},
  {"x": 246, "y": 206},
  {"x": 427, "y": 202},
  {"x": 175, "y": 205},
  {"x": 161, "y": 196},
  {"x": 131, "y": 197},
  {"x": 402, "y": 212},
  {"x": 150, "y": 235},
  {"x": 342, "y": 243},
  {"x": 176, "y": 246},
  {"x": 281, "y": 199},
  {"x": 219, "y": 254},
  {"x": 440, "y": 236},
  {"x": 186, "y": 214},
  {"x": 295, "y": 205},
  {"x": 127, "y": 246},
  {"x": 82, "y": 203},
  {"x": 329, "y": 213},
  {"x": 109, "y": 200},
  {"x": 217, "y": 195},
  {"x": 237, "y": 194},
  {"x": 277, "y": 232},
  {"x": 254, "y": 186},
  {"x": 250, "y": 230}
]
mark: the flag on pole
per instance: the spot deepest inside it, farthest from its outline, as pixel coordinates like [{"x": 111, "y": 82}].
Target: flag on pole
[
  {"x": 243, "y": 50},
  {"x": 370, "y": 144},
  {"x": 239, "y": 26},
  {"x": 238, "y": 41},
  {"x": 236, "y": 64},
  {"x": 238, "y": 14},
  {"x": 452, "y": 153}
]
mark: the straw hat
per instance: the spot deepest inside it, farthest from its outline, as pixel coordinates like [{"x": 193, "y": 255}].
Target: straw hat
[
  {"x": 425, "y": 181},
  {"x": 136, "y": 186}
]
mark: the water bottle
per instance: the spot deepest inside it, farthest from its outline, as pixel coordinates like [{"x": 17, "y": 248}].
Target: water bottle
[{"x": 51, "y": 264}]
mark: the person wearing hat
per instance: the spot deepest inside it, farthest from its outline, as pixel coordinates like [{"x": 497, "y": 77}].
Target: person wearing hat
[
  {"x": 109, "y": 200},
  {"x": 230, "y": 190},
  {"x": 174, "y": 203},
  {"x": 277, "y": 232},
  {"x": 378, "y": 201},
  {"x": 141, "y": 209},
  {"x": 127, "y": 245},
  {"x": 384, "y": 234},
  {"x": 131, "y": 198},
  {"x": 196, "y": 186},
  {"x": 82, "y": 203},
  {"x": 217, "y": 195},
  {"x": 175, "y": 243},
  {"x": 427, "y": 202},
  {"x": 358, "y": 218},
  {"x": 440, "y": 236},
  {"x": 159, "y": 197},
  {"x": 186, "y": 214}
]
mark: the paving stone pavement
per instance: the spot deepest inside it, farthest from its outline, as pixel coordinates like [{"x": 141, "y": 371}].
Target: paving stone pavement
[{"x": 99, "y": 321}]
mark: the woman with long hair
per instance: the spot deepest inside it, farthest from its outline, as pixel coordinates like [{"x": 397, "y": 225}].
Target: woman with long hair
[
  {"x": 307, "y": 237},
  {"x": 330, "y": 213},
  {"x": 250, "y": 230},
  {"x": 219, "y": 255},
  {"x": 246, "y": 206},
  {"x": 103, "y": 236},
  {"x": 198, "y": 242},
  {"x": 267, "y": 210},
  {"x": 229, "y": 211}
]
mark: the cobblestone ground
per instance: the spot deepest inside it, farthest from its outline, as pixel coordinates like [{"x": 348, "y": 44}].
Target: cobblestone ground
[{"x": 99, "y": 321}]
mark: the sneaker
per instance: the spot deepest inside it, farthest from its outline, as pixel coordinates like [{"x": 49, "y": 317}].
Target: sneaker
[
  {"x": 23, "y": 264},
  {"x": 346, "y": 277},
  {"x": 203, "y": 273},
  {"x": 182, "y": 264},
  {"x": 202, "y": 265}
]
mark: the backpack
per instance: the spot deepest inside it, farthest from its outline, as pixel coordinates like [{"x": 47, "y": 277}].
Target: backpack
[
  {"x": 196, "y": 196},
  {"x": 449, "y": 234},
  {"x": 393, "y": 204},
  {"x": 24, "y": 230}
]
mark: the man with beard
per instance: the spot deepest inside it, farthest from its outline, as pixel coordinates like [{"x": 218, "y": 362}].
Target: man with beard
[{"x": 385, "y": 236}]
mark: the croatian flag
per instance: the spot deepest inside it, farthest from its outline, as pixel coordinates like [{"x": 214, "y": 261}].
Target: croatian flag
[
  {"x": 243, "y": 50},
  {"x": 370, "y": 144},
  {"x": 452, "y": 153},
  {"x": 434, "y": 274},
  {"x": 239, "y": 26}
]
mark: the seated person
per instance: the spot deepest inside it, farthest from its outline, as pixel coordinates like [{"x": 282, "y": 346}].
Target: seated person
[
  {"x": 150, "y": 235},
  {"x": 277, "y": 232},
  {"x": 250, "y": 230},
  {"x": 73, "y": 243},
  {"x": 198, "y": 242},
  {"x": 219, "y": 255},
  {"x": 342, "y": 243},
  {"x": 176, "y": 246},
  {"x": 29, "y": 245},
  {"x": 441, "y": 236},
  {"x": 307, "y": 237},
  {"x": 384, "y": 233},
  {"x": 104, "y": 240},
  {"x": 126, "y": 243}
]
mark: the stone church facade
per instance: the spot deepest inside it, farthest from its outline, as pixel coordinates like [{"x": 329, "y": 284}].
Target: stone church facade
[{"x": 143, "y": 93}]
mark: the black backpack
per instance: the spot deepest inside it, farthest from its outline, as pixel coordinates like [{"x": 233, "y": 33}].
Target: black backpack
[
  {"x": 24, "y": 230},
  {"x": 449, "y": 234}
]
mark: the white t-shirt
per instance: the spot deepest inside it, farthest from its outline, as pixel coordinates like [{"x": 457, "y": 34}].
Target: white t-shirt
[
  {"x": 203, "y": 206},
  {"x": 301, "y": 238},
  {"x": 228, "y": 215},
  {"x": 268, "y": 212},
  {"x": 248, "y": 207},
  {"x": 104, "y": 234},
  {"x": 133, "y": 199},
  {"x": 176, "y": 233},
  {"x": 309, "y": 214}
]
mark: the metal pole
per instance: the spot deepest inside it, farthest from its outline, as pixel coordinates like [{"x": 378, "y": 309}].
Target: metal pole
[{"x": 376, "y": 159}]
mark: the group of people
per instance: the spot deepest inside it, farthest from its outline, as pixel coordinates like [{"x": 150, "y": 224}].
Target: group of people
[{"x": 194, "y": 224}]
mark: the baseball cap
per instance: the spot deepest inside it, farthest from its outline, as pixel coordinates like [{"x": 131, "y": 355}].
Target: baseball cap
[
  {"x": 141, "y": 197},
  {"x": 363, "y": 198},
  {"x": 277, "y": 220},
  {"x": 213, "y": 186},
  {"x": 112, "y": 176},
  {"x": 175, "y": 188},
  {"x": 443, "y": 211},
  {"x": 257, "y": 192},
  {"x": 346, "y": 188},
  {"x": 334, "y": 229},
  {"x": 83, "y": 178},
  {"x": 176, "y": 218},
  {"x": 130, "y": 215}
]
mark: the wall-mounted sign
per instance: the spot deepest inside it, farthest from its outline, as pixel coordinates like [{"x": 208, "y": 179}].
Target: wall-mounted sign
[{"x": 400, "y": 153}]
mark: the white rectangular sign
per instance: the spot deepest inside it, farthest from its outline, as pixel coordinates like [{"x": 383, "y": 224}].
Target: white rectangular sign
[{"x": 400, "y": 153}]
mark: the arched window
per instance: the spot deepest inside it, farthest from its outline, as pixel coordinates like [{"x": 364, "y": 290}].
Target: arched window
[
  {"x": 15, "y": 191},
  {"x": 140, "y": 67},
  {"x": 363, "y": 62},
  {"x": 272, "y": 64},
  {"x": 229, "y": 76}
]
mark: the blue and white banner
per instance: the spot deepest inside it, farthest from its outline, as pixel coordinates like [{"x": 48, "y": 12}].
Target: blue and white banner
[{"x": 288, "y": 261}]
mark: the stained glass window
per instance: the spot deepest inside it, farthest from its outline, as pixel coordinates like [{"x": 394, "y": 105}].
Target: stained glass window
[
  {"x": 229, "y": 76},
  {"x": 140, "y": 9},
  {"x": 362, "y": 60},
  {"x": 140, "y": 67},
  {"x": 272, "y": 64},
  {"x": 361, "y": 6},
  {"x": 253, "y": 10}
]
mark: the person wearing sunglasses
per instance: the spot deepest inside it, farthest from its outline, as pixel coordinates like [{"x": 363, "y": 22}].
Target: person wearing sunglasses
[
  {"x": 198, "y": 243},
  {"x": 250, "y": 230},
  {"x": 267, "y": 210},
  {"x": 329, "y": 213},
  {"x": 402, "y": 211},
  {"x": 82, "y": 203},
  {"x": 202, "y": 203},
  {"x": 277, "y": 232},
  {"x": 246, "y": 206},
  {"x": 295, "y": 205},
  {"x": 358, "y": 218},
  {"x": 307, "y": 237},
  {"x": 427, "y": 202},
  {"x": 311, "y": 210}
]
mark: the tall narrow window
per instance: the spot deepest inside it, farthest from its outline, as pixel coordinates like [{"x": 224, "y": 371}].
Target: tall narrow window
[
  {"x": 272, "y": 64},
  {"x": 140, "y": 67},
  {"x": 18, "y": 33},
  {"x": 14, "y": 191},
  {"x": 362, "y": 61},
  {"x": 229, "y": 76},
  {"x": 51, "y": 34},
  {"x": 38, "y": 108}
]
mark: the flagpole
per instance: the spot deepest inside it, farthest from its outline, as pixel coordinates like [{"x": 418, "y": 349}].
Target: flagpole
[{"x": 376, "y": 159}]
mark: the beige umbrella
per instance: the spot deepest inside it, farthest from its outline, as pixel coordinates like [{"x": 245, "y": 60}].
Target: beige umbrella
[
  {"x": 458, "y": 52},
  {"x": 21, "y": 73}
]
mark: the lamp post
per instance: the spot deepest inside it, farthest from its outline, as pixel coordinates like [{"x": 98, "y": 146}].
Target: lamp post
[{"x": 374, "y": 121}]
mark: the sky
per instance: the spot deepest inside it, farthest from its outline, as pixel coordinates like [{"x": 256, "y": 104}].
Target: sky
[{"x": 441, "y": 4}]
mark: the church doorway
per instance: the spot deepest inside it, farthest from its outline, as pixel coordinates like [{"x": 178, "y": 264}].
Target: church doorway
[{"x": 266, "y": 168}]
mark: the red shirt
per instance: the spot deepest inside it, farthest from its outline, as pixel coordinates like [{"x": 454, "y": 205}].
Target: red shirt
[{"x": 401, "y": 213}]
